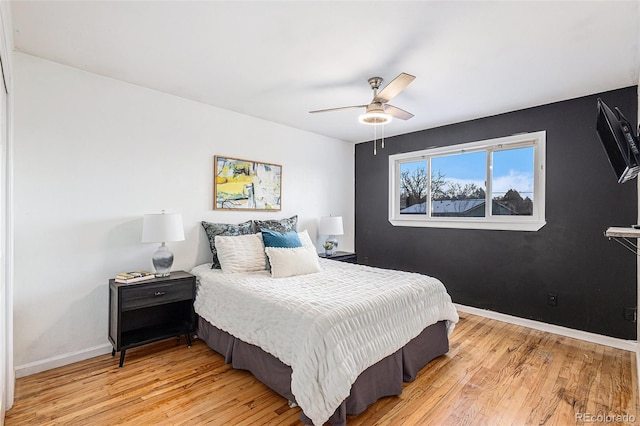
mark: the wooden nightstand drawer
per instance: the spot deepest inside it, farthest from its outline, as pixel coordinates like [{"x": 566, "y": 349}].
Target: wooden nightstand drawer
[{"x": 156, "y": 294}]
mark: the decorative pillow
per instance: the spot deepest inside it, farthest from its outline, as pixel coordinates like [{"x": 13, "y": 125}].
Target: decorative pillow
[
  {"x": 241, "y": 253},
  {"x": 214, "y": 229},
  {"x": 280, "y": 239},
  {"x": 289, "y": 262},
  {"x": 282, "y": 225},
  {"x": 305, "y": 239}
]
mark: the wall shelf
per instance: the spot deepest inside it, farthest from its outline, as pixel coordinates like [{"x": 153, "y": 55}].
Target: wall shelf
[{"x": 623, "y": 236}]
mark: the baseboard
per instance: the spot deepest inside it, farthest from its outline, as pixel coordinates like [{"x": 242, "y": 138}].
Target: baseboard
[
  {"x": 60, "y": 360},
  {"x": 627, "y": 345}
]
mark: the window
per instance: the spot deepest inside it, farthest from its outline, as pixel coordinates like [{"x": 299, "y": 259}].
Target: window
[{"x": 491, "y": 184}]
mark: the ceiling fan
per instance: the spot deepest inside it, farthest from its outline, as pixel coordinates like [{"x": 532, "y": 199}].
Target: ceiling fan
[{"x": 379, "y": 111}]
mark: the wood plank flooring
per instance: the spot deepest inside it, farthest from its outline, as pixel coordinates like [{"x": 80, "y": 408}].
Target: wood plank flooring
[{"x": 494, "y": 374}]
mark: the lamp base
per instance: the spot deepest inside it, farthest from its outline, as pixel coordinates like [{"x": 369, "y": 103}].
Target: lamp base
[
  {"x": 162, "y": 261},
  {"x": 334, "y": 245},
  {"x": 333, "y": 240}
]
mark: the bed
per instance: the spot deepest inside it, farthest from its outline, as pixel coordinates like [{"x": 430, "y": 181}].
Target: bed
[{"x": 333, "y": 340}]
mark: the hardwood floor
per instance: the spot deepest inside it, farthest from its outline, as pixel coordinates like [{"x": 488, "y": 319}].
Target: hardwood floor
[{"x": 494, "y": 374}]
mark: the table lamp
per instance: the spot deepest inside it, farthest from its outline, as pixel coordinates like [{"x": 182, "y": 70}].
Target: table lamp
[
  {"x": 331, "y": 226},
  {"x": 160, "y": 228}
]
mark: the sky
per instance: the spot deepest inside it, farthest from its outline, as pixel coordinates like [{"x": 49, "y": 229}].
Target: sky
[{"x": 512, "y": 169}]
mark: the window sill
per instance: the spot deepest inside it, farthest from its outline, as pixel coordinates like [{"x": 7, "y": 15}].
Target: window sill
[{"x": 521, "y": 225}]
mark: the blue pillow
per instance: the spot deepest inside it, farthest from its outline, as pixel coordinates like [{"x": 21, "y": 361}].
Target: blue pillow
[{"x": 280, "y": 239}]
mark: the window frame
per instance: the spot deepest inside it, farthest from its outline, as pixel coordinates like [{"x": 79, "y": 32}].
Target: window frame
[{"x": 498, "y": 222}]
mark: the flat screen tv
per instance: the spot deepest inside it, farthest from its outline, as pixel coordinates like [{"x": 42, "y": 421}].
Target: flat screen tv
[{"x": 619, "y": 141}]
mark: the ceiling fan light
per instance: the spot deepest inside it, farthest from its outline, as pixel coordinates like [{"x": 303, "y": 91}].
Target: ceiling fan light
[{"x": 374, "y": 118}]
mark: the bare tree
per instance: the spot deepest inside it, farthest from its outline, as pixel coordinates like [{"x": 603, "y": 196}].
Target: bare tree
[
  {"x": 513, "y": 201},
  {"x": 413, "y": 186},
  {"x": 437, "y": 185},
  {"x": 456, "y": 191}
]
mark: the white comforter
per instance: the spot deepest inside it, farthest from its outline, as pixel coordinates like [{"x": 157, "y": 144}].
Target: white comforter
[{"x": 328, "y": 326}]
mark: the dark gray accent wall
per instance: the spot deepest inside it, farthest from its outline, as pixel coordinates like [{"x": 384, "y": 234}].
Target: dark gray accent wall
[{"x": 513, "y": 272}]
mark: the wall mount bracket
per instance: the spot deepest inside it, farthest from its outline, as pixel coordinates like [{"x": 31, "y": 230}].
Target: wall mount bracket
[{"x": 624, "y": 236}]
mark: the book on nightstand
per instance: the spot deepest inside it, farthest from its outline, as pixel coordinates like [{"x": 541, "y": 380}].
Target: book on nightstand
[{"x": 134, "y": 277}]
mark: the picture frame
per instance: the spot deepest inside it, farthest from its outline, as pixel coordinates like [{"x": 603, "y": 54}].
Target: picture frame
[{"x": 240, "y": 184}]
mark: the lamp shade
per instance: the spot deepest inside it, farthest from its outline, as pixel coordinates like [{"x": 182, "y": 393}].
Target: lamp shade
[
  {"x": 162, "y": 227},
  {"x": 331, "y": 225}
]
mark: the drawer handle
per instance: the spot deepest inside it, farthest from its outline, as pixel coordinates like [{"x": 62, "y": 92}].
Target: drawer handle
[{"x": 159, "y": 293}]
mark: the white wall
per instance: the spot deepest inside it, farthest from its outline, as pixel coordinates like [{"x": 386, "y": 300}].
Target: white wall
[{"x": 92, "y": 155}]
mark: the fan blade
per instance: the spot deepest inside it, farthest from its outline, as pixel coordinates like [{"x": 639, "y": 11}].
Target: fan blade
[
  {"x": 337, "y": 109},
  {"x": 397, "y": 112},
  {"x": 392, "y": 89}
]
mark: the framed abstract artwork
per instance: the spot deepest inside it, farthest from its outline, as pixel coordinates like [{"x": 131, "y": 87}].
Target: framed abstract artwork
[{"x": 246, "y": 185}]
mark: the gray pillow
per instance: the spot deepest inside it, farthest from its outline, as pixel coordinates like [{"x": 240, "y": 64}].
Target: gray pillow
[
  {"x": 282, "y": 225},
  {"x": 213, "y": 229}
]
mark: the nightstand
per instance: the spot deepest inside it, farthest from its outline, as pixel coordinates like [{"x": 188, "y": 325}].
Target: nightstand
[
  {"x": 342, "y": 256},
  {"x": 152, "y": 310}
]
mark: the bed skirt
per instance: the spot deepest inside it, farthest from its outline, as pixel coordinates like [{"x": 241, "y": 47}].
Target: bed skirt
[{"x": 381, "y": 379}]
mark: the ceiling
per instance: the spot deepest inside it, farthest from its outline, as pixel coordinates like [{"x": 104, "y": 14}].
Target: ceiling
[{"x": 279, "y": 60}]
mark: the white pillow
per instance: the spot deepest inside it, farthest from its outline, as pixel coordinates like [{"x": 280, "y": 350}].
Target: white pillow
[
  {"x": 289, "y": 262},
  {"x": 241, "y": 253},
  {"x": 305, "y": 239}
]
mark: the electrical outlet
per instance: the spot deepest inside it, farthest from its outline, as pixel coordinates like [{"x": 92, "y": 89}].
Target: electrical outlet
[
  {"x": 630, "y": 314},
  {"x": 552, "y": 299}
]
